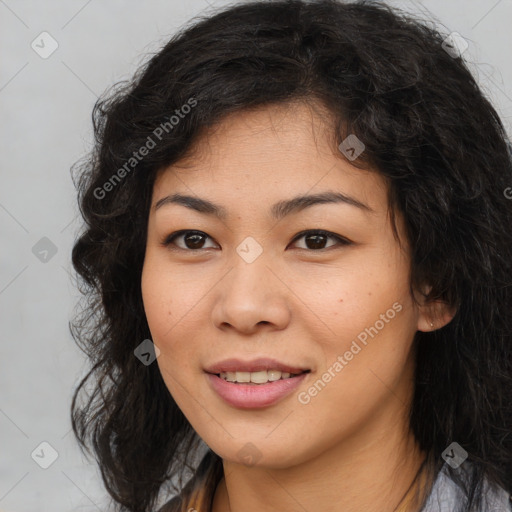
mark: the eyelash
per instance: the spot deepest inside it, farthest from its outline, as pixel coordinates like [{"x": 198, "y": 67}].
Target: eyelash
[{"x": 169, "y": 239}]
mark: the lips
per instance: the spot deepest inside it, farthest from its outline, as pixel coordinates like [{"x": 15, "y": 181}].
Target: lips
[
  {"x": 256, "y": 365},
  {"x": 254, "y": 396}
]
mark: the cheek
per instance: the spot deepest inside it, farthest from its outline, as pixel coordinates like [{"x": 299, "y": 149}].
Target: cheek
[
  {"x": 157, "y": 303},
  {"x": 168, "y": 297},
  {"x": 164, "y": 308},
  {"x": 172, "y": 304},
  {"x": 349, "y": 299},
  {"x": 371, "y": 322}
]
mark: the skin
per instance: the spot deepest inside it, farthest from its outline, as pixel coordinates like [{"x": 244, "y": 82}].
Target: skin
[{"x": 349, "y": 448}]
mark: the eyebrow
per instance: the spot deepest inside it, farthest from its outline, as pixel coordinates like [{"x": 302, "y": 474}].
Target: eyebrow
[{"x": 278, "y": 211}]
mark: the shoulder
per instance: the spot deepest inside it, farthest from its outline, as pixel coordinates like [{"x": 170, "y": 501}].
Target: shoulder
[
  {"x": 173, "y": 505},
  {"x": 446, "y": 494},
  {"x": 181, "y": 504},
  {"x": 199, "y": 490}
]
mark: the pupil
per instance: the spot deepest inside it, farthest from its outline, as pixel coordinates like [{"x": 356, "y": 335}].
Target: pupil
[
  {"x": 319, "y": 240},
  {"x": 196, "y": 240}
]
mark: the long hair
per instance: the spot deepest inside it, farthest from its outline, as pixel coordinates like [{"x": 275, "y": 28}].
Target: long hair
[{"x": 383, "y": 76}]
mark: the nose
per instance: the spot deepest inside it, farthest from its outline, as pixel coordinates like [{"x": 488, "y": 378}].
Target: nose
[{"x": 250, "y": 297}]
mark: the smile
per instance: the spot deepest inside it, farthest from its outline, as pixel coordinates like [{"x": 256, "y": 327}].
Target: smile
[
  {"x": 253, "y": 395},
  {"x": 261, "y": 377}
]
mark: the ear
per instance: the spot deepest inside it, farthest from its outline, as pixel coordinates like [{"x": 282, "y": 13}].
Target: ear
[{"x": 434, "y": 314}]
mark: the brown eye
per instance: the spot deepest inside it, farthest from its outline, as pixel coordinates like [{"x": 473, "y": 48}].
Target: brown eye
[
  {"x": 192, "y": 240},
  {"x": 316, "y": 239}
]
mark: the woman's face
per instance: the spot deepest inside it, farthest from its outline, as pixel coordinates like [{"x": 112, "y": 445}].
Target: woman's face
[{"x": 250, "y": 286}]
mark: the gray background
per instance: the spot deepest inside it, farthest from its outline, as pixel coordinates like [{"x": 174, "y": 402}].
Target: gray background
[{"x": 45, "y": 109}]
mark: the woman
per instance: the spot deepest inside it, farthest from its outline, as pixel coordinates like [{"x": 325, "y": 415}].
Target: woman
[{"x": 297, "y": 266}]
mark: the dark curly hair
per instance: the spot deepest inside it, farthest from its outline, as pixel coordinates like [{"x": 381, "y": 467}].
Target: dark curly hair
[{"x": 427, "y": 128}]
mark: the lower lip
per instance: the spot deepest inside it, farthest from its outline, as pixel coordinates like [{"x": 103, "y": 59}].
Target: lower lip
[{"x": 251, "y": 396}]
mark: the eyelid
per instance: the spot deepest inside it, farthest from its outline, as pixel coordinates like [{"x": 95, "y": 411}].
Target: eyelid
[
  {"x": 329, "y": 234},
  {"x": 342, "y": 241},
  {"x": 169, "y": 239}
]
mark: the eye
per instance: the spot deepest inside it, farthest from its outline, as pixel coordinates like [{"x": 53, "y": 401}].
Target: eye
[
  {"x": 194, "y": 240},
  {"x": 315, "y": 239}
]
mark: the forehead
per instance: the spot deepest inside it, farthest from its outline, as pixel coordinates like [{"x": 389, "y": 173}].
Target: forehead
[{"x": 269, "y": 153}]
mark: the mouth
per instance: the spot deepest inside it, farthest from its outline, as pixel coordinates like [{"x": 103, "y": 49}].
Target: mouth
[
  {"x": 257, "y": 371},
  {"x": 254, "y": 384},
  {"x": 257, "y": 378}
]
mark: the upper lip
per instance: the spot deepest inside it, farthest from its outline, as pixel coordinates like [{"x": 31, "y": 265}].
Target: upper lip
[{"x": 255, "y": 365}]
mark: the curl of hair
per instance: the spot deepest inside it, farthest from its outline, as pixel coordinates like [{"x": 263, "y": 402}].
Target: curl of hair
[{"x": 380, "y": 74}]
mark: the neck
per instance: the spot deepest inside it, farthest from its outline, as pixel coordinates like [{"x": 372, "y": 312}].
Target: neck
[{"x": 372, "y": 470}]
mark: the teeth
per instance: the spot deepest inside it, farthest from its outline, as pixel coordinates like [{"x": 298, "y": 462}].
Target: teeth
[
  {"x": 274, "y": 375},
  {"x": 260, "y": 377},
  {"x": 243, "y": 377}
]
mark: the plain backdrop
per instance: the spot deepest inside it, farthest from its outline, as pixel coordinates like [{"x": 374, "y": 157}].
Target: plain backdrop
[{"x": 45, "y": 106}]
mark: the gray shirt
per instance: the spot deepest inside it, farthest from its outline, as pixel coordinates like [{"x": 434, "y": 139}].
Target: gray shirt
[{"x": 446, "y": 495}]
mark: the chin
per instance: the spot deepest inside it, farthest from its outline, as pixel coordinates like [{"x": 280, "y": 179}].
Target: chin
[{"x": 260, "y": 455}]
